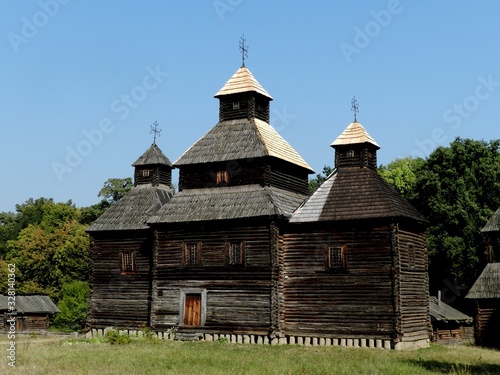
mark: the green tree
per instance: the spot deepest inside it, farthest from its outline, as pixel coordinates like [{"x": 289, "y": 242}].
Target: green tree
[
  {"x": 115, "y": 188},
  {"x": 402, "y": 175},
  {"x": 316, "y": 182},
  {"x": 458, "y": 189},
  {"x": 73, "y": 305}
]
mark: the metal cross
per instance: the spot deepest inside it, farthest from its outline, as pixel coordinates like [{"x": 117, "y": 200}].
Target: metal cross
[
  {"x": 354, "y": 107},
  {"x": 155, "y": 130},
  {"x": 243, "y": 49}
]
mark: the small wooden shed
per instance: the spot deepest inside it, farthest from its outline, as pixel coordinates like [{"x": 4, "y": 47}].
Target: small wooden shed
[
  {"x": 449, "y": 325},
  {"x": 32, "y": 313}
]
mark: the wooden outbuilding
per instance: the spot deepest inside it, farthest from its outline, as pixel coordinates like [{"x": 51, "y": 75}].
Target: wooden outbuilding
[
  {"x": 449, "y": 326},
  {"x": 32, "y": 312},
  {"x": 121, "y": 247}
]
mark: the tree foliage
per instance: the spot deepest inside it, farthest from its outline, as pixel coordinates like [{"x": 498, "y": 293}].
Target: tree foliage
[
  {"x": 402, "y": 175},
  {"x": 115, "y": 188},
  {"x": 73, "y": 306},
  {"x": 458, "y": 189}
]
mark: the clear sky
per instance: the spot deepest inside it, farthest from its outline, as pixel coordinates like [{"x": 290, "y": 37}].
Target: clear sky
[{"x": 82, "y": 81}]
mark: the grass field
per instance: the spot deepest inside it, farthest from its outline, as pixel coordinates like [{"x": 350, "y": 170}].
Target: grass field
[{"x": 56, "y": 356}]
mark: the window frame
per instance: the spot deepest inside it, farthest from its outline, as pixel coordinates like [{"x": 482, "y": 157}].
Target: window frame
[
  {"x": 128, "y": 262},
  {"x": 188, "y": 258},
  {"x": 241, "y": 248},
  {"x": 222, "y": 178},
  {"x": 340, "y": 264}
]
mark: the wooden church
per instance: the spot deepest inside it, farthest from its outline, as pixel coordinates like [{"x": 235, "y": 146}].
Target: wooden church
[
  {"x": 242, "y": 250},
  {"x": 486, "y": 290}
]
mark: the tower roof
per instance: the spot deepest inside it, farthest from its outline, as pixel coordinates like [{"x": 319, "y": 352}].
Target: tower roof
[
  {"x": 242, "y": 81},
  {"x": 240, "y": 139},
  {"x": 133, "y": 210},
  {"x": 355, "y": 133},
  {"x": 153, "y": 156},
  {"x": 487, "y": 284},
  {"x": 493, "y": 224},
  {"x": 355, "y": 194}
]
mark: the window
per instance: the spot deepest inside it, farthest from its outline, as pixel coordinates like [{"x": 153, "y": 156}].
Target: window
[
  {"x": 145, "y": 173},
  {"x": 350, "y": 153},
  {"x": 222, "y": 178},
  {"x": 127, "y": 262},
  {"x": 336, "y": 258},
  {"x": 191, "y": 254},
  {"x": 235, "y": 253},
  {"x": 411, "y": 257},
  {"x": 236, "y": 105}
]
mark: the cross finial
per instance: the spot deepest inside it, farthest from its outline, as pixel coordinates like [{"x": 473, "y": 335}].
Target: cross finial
[
  {"x": 354, "y": 107},
  {"x": 243, "y": 49},
  {"x": 155, "y": 131}
]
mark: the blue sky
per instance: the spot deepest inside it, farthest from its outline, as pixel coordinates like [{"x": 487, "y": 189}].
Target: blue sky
[{"x": 82, "y": 81}]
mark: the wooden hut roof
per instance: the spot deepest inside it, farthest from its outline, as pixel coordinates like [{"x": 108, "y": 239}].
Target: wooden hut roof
[
  {"x": 242, "y": 81},
  {"x": 493, "y": 224},
  {"x": 240, "y": 139},
  {"x": 352, "y": 193},
  {"x": 355, "y": 133},
  {"x": 487, "y": 284},
  {"x": 134, "y": 209},
  {"x": 443, "y": 312},
  {"x": 30, "y": 304},
  {"x": 230, "y": 202},
  {"x": 152, "y": 156}
]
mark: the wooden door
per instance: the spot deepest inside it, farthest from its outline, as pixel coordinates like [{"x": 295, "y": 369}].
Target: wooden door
[{"x": 192, "y": 310}]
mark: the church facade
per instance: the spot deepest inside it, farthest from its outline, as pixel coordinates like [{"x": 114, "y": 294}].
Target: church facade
[{"x": 243, "y": 249}]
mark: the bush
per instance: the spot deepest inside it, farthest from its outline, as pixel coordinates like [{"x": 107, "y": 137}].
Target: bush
[
  {"x": 73, "y": 306},
  {"x": 113, "y": 337}
]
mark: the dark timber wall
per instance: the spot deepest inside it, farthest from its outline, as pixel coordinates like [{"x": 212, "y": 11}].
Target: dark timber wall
[
  {"x": 120, "y": 300},
  {"x": 238, "y": 298},
  {"x": 362, "y": 300},
  {"x": 354, "y": 303}
]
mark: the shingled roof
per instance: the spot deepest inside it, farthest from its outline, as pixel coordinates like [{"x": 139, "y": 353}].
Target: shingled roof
[
  {"x": 152, "y": 156},
  {"x": 355, "y": 133},
  {"x": 352, "y": 193},
  {"x": 493, "y": 224},
  {"x": 240, "y": 139},
  {"x": 242, "y": 81},
  {"x": 30, "y": 304},
  {"x": 487, "y": 284},
  {"x": 443, "y": 312},
  {"x": 134, "y": 209},
  {"x": 230, "y": 202}
]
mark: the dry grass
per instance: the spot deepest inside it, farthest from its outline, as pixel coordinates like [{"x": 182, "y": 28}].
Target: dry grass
[{"x": 58, "y": 356}]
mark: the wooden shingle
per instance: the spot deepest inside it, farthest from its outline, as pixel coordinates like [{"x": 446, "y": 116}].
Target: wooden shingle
[
  {"x": 355, "y": 133},
  {"x": 232, "y": 202},
  {"x": 242, "y": 81},
  {"x": 134, "y": 209},
  {"x": 355, "y": 193},
  {"x": 240, "y": 139},
  {"x": 487, "y": 285}
]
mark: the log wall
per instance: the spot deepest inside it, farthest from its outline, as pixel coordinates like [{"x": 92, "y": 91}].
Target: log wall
[
  {"x": 487, "y": 324},
  {"x": 354, "y": 303},
  {"x": 120, "y": 300},
  {"x": 238, "y": 298},
  {"x": 412, "y": 284}
]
